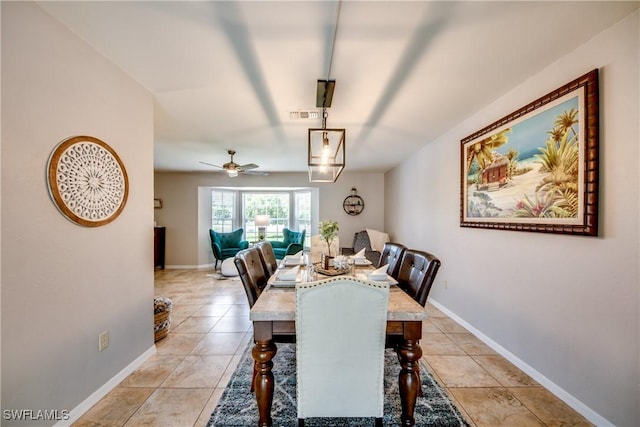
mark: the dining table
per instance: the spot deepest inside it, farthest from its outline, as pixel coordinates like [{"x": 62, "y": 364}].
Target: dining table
[{"x": 274, "y": 314}]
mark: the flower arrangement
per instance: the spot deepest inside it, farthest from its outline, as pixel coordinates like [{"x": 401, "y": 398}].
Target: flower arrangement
[{"x": 328, "y": 231}]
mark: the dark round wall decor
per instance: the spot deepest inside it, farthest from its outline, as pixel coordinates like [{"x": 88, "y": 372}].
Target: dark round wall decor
[
  {"x": 353, "y": 204},
  {"x": 87, "y": 181}
]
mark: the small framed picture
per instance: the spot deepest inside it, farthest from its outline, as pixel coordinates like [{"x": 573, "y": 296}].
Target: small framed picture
[{"x": 157, "y": 203}]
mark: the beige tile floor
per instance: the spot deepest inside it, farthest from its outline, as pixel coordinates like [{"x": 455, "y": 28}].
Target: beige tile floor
[{"x": 180, "y": 385}]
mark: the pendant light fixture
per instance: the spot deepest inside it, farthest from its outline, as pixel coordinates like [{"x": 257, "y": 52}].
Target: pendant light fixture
[{"x": 326, "y": 146}]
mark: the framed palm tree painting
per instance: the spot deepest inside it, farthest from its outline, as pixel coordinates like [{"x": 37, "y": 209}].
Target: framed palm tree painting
[{"x": 537, "y": 168}]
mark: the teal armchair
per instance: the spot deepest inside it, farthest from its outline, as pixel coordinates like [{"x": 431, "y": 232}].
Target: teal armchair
[
  {"x": 227, "y": 245},
  {"x": 292, "y": 244}
]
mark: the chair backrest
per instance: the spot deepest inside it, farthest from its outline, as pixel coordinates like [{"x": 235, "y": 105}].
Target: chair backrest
[
  {"x": 319, "y": 247},
  {"x": 251, "y": 271},
  {"x": 392, "y": 255},
  {"x": 293, "y": 236},
  {"x": 340, "y": 334},
  {"x": 268, "y": 258},
  {"x": 417, "y": 272},
  {"x": 361, "y": 241},
  {"x": 226, "y": 240}
]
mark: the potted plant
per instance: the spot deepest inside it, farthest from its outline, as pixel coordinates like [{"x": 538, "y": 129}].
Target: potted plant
[{"x": 328, "y": 231}]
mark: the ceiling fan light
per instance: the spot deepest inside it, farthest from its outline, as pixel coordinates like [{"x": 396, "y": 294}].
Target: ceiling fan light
[{"x": 232, "y": 173}]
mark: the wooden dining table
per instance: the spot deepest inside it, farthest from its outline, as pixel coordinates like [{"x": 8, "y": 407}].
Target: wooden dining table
[{"x": 274, "y": 314}]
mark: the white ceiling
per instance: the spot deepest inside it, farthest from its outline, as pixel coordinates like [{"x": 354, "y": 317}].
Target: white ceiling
[{"x": 225, "y": 75}]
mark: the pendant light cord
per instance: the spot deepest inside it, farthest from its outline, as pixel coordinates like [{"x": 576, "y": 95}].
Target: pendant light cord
[
  {"x": 333, "y": 48},
  {"x": 333, "y": 42}
]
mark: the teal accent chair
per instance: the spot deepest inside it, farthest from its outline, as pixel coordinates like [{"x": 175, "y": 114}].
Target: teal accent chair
[
  {"x": 227, "y": 245},
  {"x": 292, "y": 244}
]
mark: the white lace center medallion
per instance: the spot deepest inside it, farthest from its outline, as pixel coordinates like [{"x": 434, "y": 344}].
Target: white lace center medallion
[{"x": 87, "y": 181}]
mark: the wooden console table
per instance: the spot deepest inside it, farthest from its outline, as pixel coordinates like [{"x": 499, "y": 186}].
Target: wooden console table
[{"x": 159, "y": 236}]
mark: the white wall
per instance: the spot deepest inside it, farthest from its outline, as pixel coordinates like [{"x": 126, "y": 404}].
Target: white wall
[
  {"x": 63, "y": 284},
  {"x": 566, "y": 306},
  {"x": 179, "y": 193}
]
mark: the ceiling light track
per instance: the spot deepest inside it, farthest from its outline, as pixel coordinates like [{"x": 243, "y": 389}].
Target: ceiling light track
[{"x": 333, "y": 42}]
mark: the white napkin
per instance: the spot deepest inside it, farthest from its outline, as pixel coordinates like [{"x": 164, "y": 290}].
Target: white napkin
[
  {"x": 379, "y": 274},
  {"x": 360, "y": 254},
  {"x": 290, "y": 274},
  {"x": 293, "y": 259}
]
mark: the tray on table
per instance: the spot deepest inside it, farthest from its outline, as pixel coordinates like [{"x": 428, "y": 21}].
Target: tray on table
[{"x": 329, "y": 272}]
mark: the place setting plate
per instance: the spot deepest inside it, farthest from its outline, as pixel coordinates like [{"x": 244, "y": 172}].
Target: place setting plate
[
  {"x": 361, "y": 262},
  {"x": 283, "y": 278},
  {"x": 292, "y": 261},
  {"x": 373, "y": 278}
]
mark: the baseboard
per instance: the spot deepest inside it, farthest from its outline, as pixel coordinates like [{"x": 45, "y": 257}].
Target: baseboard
[
  {"x": 562, "y": 394},
  {"x": 189, "y": 267},
  {"x": 95, "y": 397}
]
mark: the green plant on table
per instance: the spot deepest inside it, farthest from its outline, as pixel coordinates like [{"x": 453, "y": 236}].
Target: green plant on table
[{"x": 328, "y": 231}]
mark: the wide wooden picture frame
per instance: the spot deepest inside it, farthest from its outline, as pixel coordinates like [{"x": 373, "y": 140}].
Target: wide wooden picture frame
[{"x": 537, "y": 168}]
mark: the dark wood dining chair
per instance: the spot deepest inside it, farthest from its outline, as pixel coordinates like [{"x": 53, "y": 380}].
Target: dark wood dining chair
[
  {"x": 392, "y": 255},
  {"x": 251, "y": 272},
  {"x": 254, "y": 279},
  {"x": 416, "y": 274},
  {"x": 269, "y": 261}
]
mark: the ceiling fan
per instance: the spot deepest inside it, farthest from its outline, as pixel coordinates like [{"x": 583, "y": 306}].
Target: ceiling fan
[{"x": 233, "y": 169}]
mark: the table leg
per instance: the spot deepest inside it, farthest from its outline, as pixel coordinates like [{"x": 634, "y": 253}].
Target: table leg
[
  {"x": 409, "y": 353},
  {"x": 263, "y": 352}
]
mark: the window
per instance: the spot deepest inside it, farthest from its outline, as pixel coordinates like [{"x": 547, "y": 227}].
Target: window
[
  {"x": 223, "y": 209},
  {"x": 302, "y": 209},
  {"x": 287, "y": 208},
  {"x": 276, "y": 205}
]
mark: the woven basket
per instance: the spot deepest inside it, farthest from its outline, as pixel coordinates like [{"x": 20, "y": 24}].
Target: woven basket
[
  {"x": 161, "y": 324},
  {"x": 161, "y": 317}
]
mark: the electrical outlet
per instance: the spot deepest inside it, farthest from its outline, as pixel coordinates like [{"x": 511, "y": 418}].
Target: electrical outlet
[
  {"x": 103, "y": 340},
  {"x": 446, "y": 285}
]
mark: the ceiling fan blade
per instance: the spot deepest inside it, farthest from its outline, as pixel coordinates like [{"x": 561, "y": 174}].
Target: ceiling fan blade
[
  {"x": 257, "y": 173},
  {"x": 247, "y": 166},
  {"x": 210, "y": 164}
]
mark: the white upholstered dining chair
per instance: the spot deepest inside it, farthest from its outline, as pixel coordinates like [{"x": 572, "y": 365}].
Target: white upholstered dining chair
[{"x": 340, "y": 339}]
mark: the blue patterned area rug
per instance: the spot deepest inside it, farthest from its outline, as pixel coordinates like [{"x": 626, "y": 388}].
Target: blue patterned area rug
[{"x": 237, "y": 405}]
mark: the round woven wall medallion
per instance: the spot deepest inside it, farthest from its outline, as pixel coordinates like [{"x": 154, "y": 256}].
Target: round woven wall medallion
[{"x": 87, "y": 181}]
